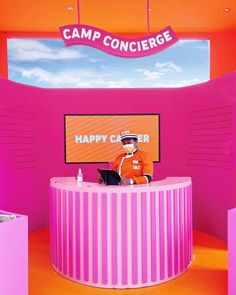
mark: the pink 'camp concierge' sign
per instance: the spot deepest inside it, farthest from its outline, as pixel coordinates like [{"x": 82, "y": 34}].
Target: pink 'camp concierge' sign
[{"x": 123, "y": 47}]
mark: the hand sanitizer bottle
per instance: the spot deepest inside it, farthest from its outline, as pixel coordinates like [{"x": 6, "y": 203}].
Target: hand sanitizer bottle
[{"x": 80, "y": 176}]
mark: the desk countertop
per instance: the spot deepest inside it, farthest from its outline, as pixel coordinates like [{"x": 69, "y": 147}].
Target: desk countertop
[{"x": 70, "y": 183}]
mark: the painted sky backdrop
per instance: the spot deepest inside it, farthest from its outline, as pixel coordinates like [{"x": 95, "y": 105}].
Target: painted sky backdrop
[{"x": 49, "y": 64}]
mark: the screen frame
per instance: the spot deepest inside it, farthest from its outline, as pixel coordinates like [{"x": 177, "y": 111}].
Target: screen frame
[{"x": 129, "y": 114}]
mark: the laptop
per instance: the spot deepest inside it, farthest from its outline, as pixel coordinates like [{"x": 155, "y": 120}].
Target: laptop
[{"x": 109, "y": 177}]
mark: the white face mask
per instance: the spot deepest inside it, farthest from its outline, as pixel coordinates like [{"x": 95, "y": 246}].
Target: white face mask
[{"x": 129, "y": 148}]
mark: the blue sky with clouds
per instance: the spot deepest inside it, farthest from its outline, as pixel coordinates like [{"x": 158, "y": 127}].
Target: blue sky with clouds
[{"x": 48, "y": 63}]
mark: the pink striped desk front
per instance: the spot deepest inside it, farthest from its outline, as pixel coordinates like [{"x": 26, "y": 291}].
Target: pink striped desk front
[{"x": 121, "y": 237}]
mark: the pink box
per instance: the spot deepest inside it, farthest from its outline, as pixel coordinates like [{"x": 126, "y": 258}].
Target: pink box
[
  {"x": 231, "y": 252},
  {"x": 14, "y": 255}
]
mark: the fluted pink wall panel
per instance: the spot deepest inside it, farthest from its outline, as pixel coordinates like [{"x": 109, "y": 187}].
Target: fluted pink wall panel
[{"x": 121, "y": 237}]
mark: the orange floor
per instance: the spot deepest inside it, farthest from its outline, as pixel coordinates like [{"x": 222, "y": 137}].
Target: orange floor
[{"x": 207, "y": 275}]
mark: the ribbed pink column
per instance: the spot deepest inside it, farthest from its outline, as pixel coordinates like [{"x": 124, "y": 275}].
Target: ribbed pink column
[{"x": 121, "y": 237}]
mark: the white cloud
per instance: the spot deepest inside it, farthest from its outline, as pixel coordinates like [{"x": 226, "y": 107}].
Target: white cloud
[
  {"x": 150, "y": 75},
  {"x": 93, "y": 60},
  {"x": 191, "y": 81},
  {"x": 71, "y": 78},
  {"x": 124, "y": 83},
  {"x": 167, "y": 67},
  {"x": 163, "y": 68},
  {"x": 87, "y": 79},
  {"x": 189, "y": 43},
  {"x": 182, "y": 83},
  {"x": 33, "y": 50}
]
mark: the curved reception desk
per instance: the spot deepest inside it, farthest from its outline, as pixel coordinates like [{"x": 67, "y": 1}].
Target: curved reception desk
[{"x": 121, "y": 236}]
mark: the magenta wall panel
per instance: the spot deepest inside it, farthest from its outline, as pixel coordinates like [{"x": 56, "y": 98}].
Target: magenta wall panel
[
  {"x": 231, "y": 252},
  {"x": 14, "y": 255},
  {"x": 197, "y": 139},
  {"x": 121, "y": 237},
  {"x": 20, "y": 153},
  {"x": 17, "y": 139}
]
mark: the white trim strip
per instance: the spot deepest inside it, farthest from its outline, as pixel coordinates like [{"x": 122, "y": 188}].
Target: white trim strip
[
  {"x": 119, "y": 171},
  {"x": 129, "y": 136},
  {"x": 147, "y": 175},
  {"x": 146, "y": 178}
]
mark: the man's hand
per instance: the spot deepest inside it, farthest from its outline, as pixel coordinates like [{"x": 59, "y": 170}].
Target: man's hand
[{"x": 124, "y": 181}]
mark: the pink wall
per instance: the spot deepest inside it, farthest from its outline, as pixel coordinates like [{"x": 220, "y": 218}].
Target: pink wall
[
  {"x": 25, "y": 189},
  {"x": 211, "y": 152}
]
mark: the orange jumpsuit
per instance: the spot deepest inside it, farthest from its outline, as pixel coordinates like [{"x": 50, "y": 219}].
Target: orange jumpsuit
[{"x": 134, "y": 166}]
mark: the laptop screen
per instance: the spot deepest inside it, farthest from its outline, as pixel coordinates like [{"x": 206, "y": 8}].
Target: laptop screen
[{"x": 109, "y": 177}]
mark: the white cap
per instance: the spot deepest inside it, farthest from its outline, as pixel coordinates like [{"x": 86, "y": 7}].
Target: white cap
[{"x": 128, "y": 134}]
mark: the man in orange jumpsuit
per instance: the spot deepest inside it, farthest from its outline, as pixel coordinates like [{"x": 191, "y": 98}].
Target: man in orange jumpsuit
[{"x": 134, "y": 166}]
